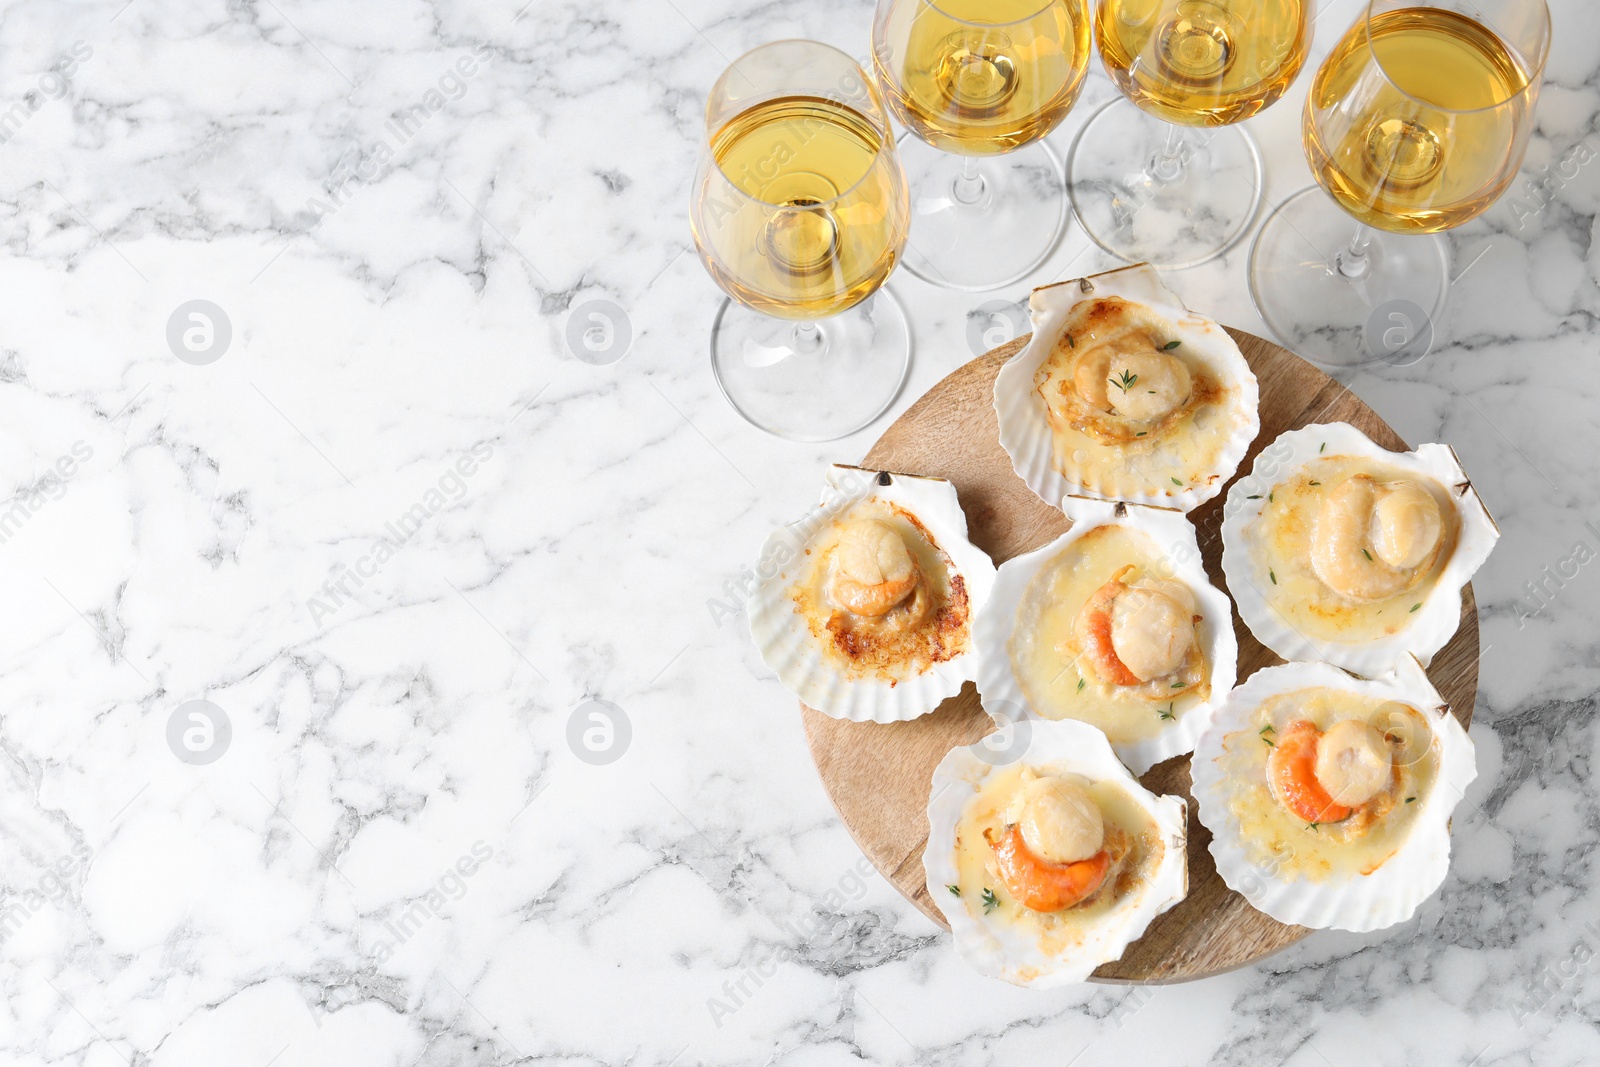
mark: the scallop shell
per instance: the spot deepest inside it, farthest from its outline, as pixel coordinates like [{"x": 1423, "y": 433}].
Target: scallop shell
[
  {"x": 1354, "y": 902},
  {"x": 1062, "y": 747},
  {"x": 1426, "y": 629},
  {"x": 1025, "y": 432},
  {"x": 785, "y": 640},
  {"x": 1175, "y": 535}
]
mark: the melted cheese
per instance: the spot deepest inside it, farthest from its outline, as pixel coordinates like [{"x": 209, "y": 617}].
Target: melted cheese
[
  {"x": 1173, "y": 452},
  {"x": 1049, "y": 678},
  {"x": 1059, "y": 931},
  {"x": 908, "y": 640},
  {"x": 1281, "y": 842},
  {"x": 1280, "y": 545}
]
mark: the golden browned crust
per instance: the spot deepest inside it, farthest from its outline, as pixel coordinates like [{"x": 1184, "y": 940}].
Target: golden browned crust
[
  {"x": 929, "y": 626},
  {"x": 1065, "y": 408},
  {"x": 872, "y": 645}
]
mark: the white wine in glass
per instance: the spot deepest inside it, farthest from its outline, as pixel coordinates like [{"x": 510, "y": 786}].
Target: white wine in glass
[
  {"x": 1171, "y": 179},
  {"x": 1416, "y": 123},
  {"x": 1200, "y": 62},
  {"x": 979, "y": 84},
  {"x": 1438, "y": 94},
  {"x": 800, "y": 213}
]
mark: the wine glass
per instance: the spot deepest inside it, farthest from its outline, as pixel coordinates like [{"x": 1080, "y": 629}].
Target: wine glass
[
  {"x": 979, "y": 83},
  {"x": 1163, "y": 174},
  {"x": 1416, "y": 122},
  {"x": 799, "y": 213}
]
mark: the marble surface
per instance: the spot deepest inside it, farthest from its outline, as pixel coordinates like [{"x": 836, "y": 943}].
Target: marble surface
[{"x": 395, "y": 532}]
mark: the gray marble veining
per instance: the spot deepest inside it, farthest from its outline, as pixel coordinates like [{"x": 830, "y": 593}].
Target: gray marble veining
[{"x": 402, "y": 538}]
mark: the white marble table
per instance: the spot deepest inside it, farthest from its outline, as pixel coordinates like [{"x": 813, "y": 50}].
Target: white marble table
[{"x": 400, "y": 536}]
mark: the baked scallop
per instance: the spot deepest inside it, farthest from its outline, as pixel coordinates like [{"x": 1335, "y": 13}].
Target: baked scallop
[
  {"x": 1328, "y": 796},
  {"x": 1337, "y": 549},
  {"x": 1052, "y": 862},
  {"x": 864, "y": 607},
  {"x": 1114, "y": 624},
  {"x": 1125, "y": 394}
]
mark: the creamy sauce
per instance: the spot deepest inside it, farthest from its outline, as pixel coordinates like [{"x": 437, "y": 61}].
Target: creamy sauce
[
  {"x": 1054, "y": 684},
  {"x": 1179, "y": 454},
  {"x": 1280, "y": 841},
  {"x": 884, "y": 647},
  {"x": 1058, "y": 931},
  {"x": 1280, "y": 540}
]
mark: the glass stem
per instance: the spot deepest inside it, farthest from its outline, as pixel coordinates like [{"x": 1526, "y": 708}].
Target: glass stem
[
  {"x": 1168, "y": 166},
  {"x": 808, "y": 339},
  {"x": 1353, "y": 262},
  {"x": 968, "y": 188}
]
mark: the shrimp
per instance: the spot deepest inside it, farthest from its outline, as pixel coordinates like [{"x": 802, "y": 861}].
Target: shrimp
[
  {"x": 1134, "y": 635},
  {"x": 1372, "y": 541},
  {"x": 1292, "y": 775},
  {"x": 1039, "y": 885},
  {"x": 872, "y": 571},
  {"x": 1092, "y": 631}
]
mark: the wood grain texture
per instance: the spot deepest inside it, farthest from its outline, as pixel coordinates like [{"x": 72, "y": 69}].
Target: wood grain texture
[{"x": 879, "y": 775}]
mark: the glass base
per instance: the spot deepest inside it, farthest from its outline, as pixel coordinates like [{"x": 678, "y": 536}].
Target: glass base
[
  {"x": 983, "y": 233},
  {"x": 1149, "y": 191},
  {"x": 1344, "y": 311},
  {"x": 812, "y": 381}
]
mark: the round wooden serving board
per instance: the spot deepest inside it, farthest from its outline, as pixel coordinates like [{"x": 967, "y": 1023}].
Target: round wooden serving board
[{"x": 879, "y": 775}]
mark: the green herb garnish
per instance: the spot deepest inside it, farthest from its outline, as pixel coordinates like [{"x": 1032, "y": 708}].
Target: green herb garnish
[
  {"x": 990, "y": 901},
  {"x": 1255, "y": 497},
  {"x": 1177, "y": 483},
  {"x": 1269, "y": 497},
  {"x": 1179, "y": 685},
  {"x": 1166, "y": 713},
  {"x": 1322, "y": 446},
  {"x": 1273, "y": 575},
  {"x": 1410, "y": 799},
  {"x": 1364, "y": 552},
  {"x": 1414, "y": 607},
  {"x": 1124, "y": 381},
  {"x": 1080, "y": 685},
  {"x": 1070, "y": 342},
  {"x": 1312, "y": 825},
  {"x": 1170, "y": 345},
  {"x": 955, "y": 890}
]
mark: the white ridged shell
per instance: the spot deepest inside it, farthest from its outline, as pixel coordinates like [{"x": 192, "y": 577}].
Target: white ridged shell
[
  {"x": 1025, "y": 432},
  {"x": 1429, "y": 627},
  {"x": 785, "y": 641},
  {"x": 1060, "y": 747},
  {"x": 1355, "y": 902},
  {"x": 1175, "y": 536}
]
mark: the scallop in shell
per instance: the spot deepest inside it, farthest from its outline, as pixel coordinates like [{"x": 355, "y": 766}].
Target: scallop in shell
[
  {"x": 864, "y": 607},
  {"x": 1050, "y": 858},
  {"x": 1113, "y": 623},
  {"x": 1337, "y": 549},
  {"x": 1125, "y": 394},
  {"x": 1328, "y": 796}
]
